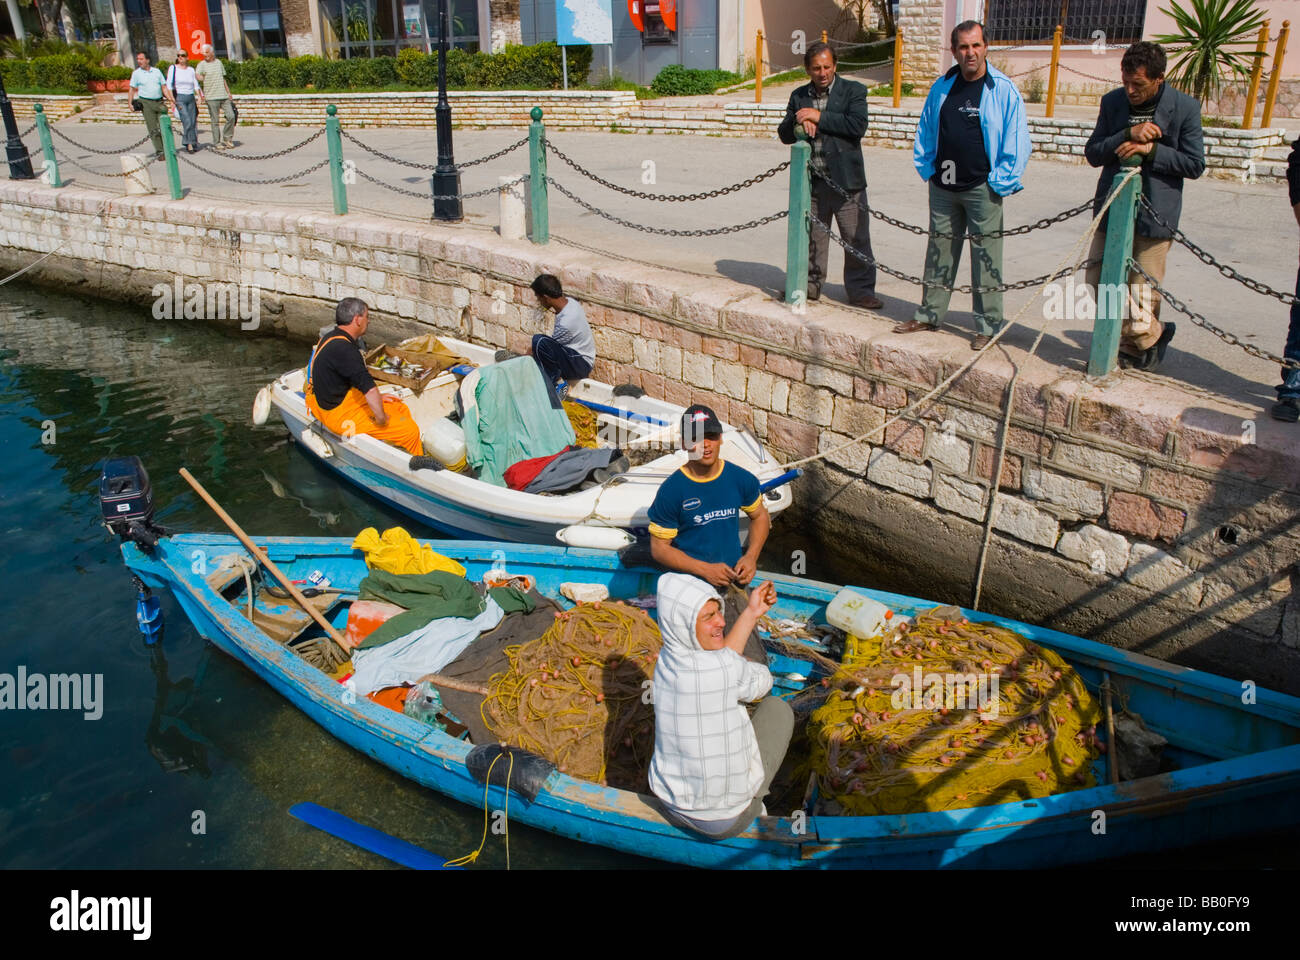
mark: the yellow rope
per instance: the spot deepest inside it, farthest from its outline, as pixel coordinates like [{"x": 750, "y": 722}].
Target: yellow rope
[{"x": 471, "y": 857}]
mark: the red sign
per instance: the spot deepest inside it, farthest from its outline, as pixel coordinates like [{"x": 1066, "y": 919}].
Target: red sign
[
  {"x": 634, "y": 10},
  {"x": 192, "y": 26},
  {"x": 668, "y": 10}
]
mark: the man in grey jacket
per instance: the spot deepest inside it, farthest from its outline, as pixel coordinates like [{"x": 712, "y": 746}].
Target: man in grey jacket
[
  {"x": 1150, "y": 120},
  {"x": 832, "y": 112}
]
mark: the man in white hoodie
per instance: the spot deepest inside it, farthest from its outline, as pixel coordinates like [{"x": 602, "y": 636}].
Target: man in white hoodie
[{"x": 712, "y": 765}]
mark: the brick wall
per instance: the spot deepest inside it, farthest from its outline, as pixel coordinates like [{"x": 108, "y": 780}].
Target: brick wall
[
  {"x": 923, "y": 42},
  {"x": 56, "y": 108},
  {"x": 1133, "y": 512}
]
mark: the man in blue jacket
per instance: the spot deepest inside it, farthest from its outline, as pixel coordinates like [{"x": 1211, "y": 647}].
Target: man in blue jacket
[
  {"x": 1146, "y": 121},
  {"x": 972, "y": 146}
]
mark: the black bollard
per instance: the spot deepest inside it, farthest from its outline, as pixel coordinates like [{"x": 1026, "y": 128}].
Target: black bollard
[
  {"x": 20, "y": 164},
  {"x": 446, "y": 178}
]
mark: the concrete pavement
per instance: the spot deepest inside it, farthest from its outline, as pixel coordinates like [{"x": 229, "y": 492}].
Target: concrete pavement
[{"x": 1248, "y": 226}]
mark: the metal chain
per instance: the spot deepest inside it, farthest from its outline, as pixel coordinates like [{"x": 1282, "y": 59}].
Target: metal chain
[
  {"x": 1090, "y": 76},
  {"x": 1196, "y": 318},
  {"x": 495, "y": 156},
  {"x": 965, "y": 288},
  {"x": 1208, "y": 259},
  {"x": 220, "y": 176},
  {"x": 437, "y": 196},
  {"x": 23, "y": 135},
  {"x": 63, "y": 157},
  {"x": 107, "y": 153},
  {"x": 923, "y": 232},
  {"x": 279, "y": 153},
  {"x": 666, "y": 197},
  {"x": 716, "y": 231},
  {"x": 431, "y": 166}
]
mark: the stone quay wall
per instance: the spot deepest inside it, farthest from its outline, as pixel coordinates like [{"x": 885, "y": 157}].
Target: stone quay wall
[
  {"x": 1133, "y": 511},
  {"x": 56, "y": 107}
]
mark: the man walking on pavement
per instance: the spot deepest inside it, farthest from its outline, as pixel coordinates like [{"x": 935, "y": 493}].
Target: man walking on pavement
[
  {"x": 147, "y": 87},
  {"x": 972, "y": 146},
  {"x": 1146, "y": 118},
  {"x": 215, "y": 93},
  {"x": 1287, "y": 408},
  {"x": 832, "y": 112}
]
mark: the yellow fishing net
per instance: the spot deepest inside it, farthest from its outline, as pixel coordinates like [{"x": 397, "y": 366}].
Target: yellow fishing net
[
  {"x": 943, "y": 713},
  {"x": 574, "y": 695},
  {"x": 583, "y": 421}
]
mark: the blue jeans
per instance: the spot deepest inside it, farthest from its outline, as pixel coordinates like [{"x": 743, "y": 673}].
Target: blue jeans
[
  {"x": 188, "y": 111},
  {"x": 557, "y": 361},
  {"x": 1289, "y": 388}
]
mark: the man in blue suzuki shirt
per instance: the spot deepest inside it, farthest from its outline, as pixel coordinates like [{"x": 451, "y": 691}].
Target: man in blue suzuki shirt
[{"x": 972, "y": 146}]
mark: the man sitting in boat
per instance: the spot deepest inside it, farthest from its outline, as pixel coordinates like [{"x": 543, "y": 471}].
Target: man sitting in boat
[
  {"x": 340, "y": 392},
  {"x": 712, "y": 764},
  {"x": 695, "y": 516},
  {"x": 569, "y": 352}
]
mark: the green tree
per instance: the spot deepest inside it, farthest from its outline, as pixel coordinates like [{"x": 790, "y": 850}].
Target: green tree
[{"x": 1208, "y": 44}]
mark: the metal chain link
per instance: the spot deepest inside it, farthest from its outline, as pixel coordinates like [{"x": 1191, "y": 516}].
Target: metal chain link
[
  {"x": 666, "y": 197},
  {"x": 107, "y": 153},
  {"x": 437, "y": 196},
  {"x": 255, "y": 183},
  {"x": 716, "y": 231},
  {"x": 23, "y": 135},
  {"x": 923, "y": 232},
  {"x": 63, "y": 157},
  {"x": 1090, "y": 76},
  {"x": 431, "y": 166},
  {"x": 965, "y": 288},
  {"x": 1208, "y": 259},
  {"x": 279, "y": 153},
  {"x": 1229, "y": 338}
]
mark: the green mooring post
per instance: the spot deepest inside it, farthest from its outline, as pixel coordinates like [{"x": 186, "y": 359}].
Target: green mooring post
[
  {"x": 335, "y": 141},
  {"x": 1112, "y": 287},
  {"x": 169, "y": 151},
  {"x": 51, "y": 171},
  {"x": 537, "y": 178},
  {"x": 796, "y": 249}
]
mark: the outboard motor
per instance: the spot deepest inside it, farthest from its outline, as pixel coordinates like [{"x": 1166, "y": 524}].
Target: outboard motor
[{"x": 126, "y": 499}]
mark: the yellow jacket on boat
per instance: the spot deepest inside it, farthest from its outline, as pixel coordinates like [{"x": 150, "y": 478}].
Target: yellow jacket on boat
[{"x": 399, "y": 552}]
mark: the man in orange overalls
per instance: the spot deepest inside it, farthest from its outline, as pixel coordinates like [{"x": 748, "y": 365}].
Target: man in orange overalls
[{"x": 340, "y": 392}]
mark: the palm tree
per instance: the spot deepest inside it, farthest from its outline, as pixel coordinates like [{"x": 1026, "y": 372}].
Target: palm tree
[{"x": 1205, "y": 44}]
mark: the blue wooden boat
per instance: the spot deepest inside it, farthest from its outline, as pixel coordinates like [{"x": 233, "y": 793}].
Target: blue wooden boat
[{"x": 1237, "y": 765}]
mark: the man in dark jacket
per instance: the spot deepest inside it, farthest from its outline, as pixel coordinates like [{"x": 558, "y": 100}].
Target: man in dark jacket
[
  {"x": 1287, "y": 407},
  {"x": 832, "y": 113},
  {"x": 1147, "y": 118}
]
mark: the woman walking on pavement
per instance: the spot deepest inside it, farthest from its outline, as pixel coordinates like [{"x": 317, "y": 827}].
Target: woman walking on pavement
[{"x": 182, "y": 85}]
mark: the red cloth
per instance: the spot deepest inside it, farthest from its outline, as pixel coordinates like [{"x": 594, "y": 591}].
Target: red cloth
[{"x": 524, "y": 472}]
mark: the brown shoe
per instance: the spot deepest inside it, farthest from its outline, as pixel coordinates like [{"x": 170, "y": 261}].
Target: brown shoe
[
  {"x": 979, "y": 341},
  {"x": 915, "y": 326},
  {"x": 868, "y": 302}
]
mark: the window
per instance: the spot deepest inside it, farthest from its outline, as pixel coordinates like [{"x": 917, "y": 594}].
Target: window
[
  {"x": 218, "y": 25},
  {"x": 379, "y": 28},
  {"x": 259, "y": 21},
  {"x": 1013, "y": 22},
  {"x": 139, "y": 28}
]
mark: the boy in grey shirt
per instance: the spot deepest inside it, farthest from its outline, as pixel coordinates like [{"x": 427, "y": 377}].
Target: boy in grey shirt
[{"x": 569, "y": 352}]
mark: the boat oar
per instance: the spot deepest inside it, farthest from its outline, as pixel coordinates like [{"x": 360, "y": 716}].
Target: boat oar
[
  {"x": 260, "y": 556},
  {"x": 368, "y": 838}
]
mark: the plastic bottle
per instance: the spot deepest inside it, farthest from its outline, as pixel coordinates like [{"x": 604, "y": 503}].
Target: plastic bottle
[
  {"x": 855, "y": 614},
  {"x": 446, "y": 441},
  {"x": 423, "y": 703}
]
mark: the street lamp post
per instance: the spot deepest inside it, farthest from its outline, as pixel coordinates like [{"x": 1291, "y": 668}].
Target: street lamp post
[
  {"x": 20, "y": 164},
  {"x": 446, "y": 178}
]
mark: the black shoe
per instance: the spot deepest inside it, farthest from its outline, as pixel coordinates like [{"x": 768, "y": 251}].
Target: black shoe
[
  {"x": 161, "y": 156},
  {"x": 503, "y": 355},
  {"x": 1288, "y": 411},
  {"x": 425, "y": 463},
  {"x": 1156, "y": 355},
  {"x": 814, "y": 291}
]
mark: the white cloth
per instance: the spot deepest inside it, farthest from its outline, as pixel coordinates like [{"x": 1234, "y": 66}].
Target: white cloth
[
  {"x": 706, "y": 763},
  {"x": 182, "y": 79},
  {"x": 573, "y": 331},
  {"x": 427, "y": 650}
]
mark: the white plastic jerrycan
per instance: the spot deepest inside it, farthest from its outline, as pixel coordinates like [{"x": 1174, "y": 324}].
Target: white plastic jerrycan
[{"x": 857, "y": 615}]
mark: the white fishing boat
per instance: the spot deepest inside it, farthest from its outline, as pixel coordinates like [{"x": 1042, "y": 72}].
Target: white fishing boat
[{"x": 610, "y": 513}]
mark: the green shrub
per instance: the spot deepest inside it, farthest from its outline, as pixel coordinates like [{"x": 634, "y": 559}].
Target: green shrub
[
  {"x": 374, "y": 71},
  {"x": 16, "y": 73},
  {"x": 62, "y": 70},
  {"x": 234, "y": 73},
  {"x": 302, "y": 70},
  {"x": 678, "y": 81},
  {"x": 110, "y": 73}
]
